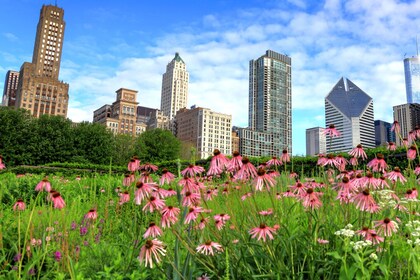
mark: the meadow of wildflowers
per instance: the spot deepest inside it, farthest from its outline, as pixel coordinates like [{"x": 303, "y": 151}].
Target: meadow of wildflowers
[{"x": 355, "y": 219}]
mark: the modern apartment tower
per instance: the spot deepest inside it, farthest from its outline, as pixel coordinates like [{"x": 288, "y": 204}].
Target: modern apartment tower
[
  {"x": 383, "y": 133},
  {"x": 39, "y": 89},
  {"x": 350, "y": 110},
  {"x": 10, "y": 87},
  {"x": 174, "y": 87},
  {"x": 408, "y": 116},
  {"x": 315, "y": 141},
  {"x": 270, "y": 98},
  {"x": 412, "y": 79}
]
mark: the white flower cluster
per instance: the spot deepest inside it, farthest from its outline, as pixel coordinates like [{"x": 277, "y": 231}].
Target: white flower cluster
[
  {"x": 410, "y": 199},
  {"x": 414, "y": 227},
  {"x": 358, "y": 245},
  {"x": 346, "y": 232},
  {"x": 373, "y": 256},
  {"x": 385, "y": 198}
]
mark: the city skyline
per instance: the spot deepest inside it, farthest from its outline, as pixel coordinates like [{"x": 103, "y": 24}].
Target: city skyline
[{"x": 129, "y": 44}]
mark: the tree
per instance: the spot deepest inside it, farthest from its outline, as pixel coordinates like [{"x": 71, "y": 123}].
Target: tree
[
  {"x": 125, "y": 148},
  {"x": 158, "y": 145}
]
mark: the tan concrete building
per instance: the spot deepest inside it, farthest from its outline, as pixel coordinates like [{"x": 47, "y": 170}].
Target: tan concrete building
[
  {"x": 10, "y": 87},
  {"x": 174, "y": 87},
  {"x": 205, "y": 130},
  {"x": 121, "y": 116},
  {"x": 408, "y": 116},
  {"x": 39, "y": 89},
  {"x": 235, "y": 141}
]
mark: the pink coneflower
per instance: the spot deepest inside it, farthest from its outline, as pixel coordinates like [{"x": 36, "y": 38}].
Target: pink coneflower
[
  {"x": 2, "y": 165},
  {"x": 207, "y": 248},
  {"x": 151, "y": 252},
  {"x": 311, "y": 199},
  {"x": 217, "y": 164},
  {"x": 383, "y": 183},
  {"x": 353, "y": 161},
  {"x": 203, "y": 223},
  {"x": 192, "y": 214},
  {"x": 391, "y": 146},
  {"x": 191, "y": 199},
  {"x": 370, "y": 182},
  {"x": 396, "y": 175},
  {"x": 299, "y": 189},
  {"x": 345, "y": 190},
  {"x": 152, "y": 231},
  {"x": 148, "y": 167},
  {"x": 247, "y": 170},
  {"x": 365, "y": 202},
  {"x": 266, "y": 212},
  {"x": 188, "y": 185},
  {"x": 274, "y": 161},
  {"x": 169, "y": 216},
  {"x": 287, "y": 193},
  {"x": 91, "y": 215},
  {"x": 235, "y": 163},
  {"x": 210, "y": 193},
  {"x": 166, "y": 178},
  {"x": 341, "y": 162},
  {"x": 222, "y": 217},
  {"x": 245, "y": 196},
  {"x": 396, "y": 127},
  {"x": 145, "y": 177},
  {"x": 285, "y": 157},
  {"x": 143, "y": 190},
  {"x": 134, "y": 164},
  {"x": 263, "y": 231},
  {"x": 375, "y": 239},
  {"x": 378, "y": 164},
  {"x": 321, "y": 160},
  {"x": 331, "y": 160},
  {"x": 411, "y": 152},
  {"x": 322, "y": 241},
  {"x": 124, "y": 197},
  {"x": 19, "y": 205},
  {"x": 58, "y": 201},
  {"x": 410, "y": 194},
  {"x": 405, "y": 142},
  {"x": 365, "y": 232},
  {"x": 358, "y": 152},
  {"x": 263, "y": 180},
  {"x": 43, "y": 184},
  {"x": 219, "y": 224},
  {"x": 153, "y": 204},
  {"x": 386, "y": 226},
  {"x": 417, "y": 170},
  {"x": 192, "y": 170},
  {"x": 412, "y": 136},
  {"x": 127, "y": 181},
  {"x": 331, "y": 131},
  {"x": 166, "y": 193}
]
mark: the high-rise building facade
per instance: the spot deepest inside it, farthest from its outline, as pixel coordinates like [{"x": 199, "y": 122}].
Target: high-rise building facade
[
  {"x": 204, "y": 130},
  {"x": 412, "y": 79},
  {"x": 350, "y": 110},
  {"x": 270, "y": 98},
  {"x": 39, "y": 89},
  {"x": 10, "y": 87},
  {"x": 408, "y": 116},
  {"x": 315, "y": 141},
  {"x": 174, "y": 87},
  {"x": 121, "y": 116},
  {"x": 383, "y": 133}
]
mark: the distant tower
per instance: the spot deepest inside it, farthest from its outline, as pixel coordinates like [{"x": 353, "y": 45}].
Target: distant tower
[
  {"x": 315, "y": 141},
  {"x": 412, "y": 79},
  {"x": 39, "y": 89},
  {"x": 350, "y": 109},
  {"x": 270, "y": 98},
  {"x": 10, "y": 87},
  {"x": 174, "y": 87}
]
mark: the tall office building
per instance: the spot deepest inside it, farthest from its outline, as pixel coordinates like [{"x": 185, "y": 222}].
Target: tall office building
[
  {"x": 412, "y": 79},
  {"x": 174, "y": 87},
  {"x": 39, "y": 89},
  {"x": 350, "y": 109},
  {"x": 10, "y": 87},
  {"x": 383, "y": 133},
  {"x": 408, "y": 116},
  {"x": 315, "y": 141},
  {"x": 270, "y": 98},
  {"x": 204, "y": 130}
]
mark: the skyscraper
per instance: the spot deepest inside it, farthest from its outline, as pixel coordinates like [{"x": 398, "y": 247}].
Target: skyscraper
[
  {"x": 412, "y": 79},
  {"x": 350, "y": 110},
  {"x": 270, "y": 98},
  {"x": 174, "y": 87},
  {"x": 39, "y": 89},
  {"x": 408, "y": 116},
  {"x": 315, "y": 141},
  {"x": 10, "y": 87}
]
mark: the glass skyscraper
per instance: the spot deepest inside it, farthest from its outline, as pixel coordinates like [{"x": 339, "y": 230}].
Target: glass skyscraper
[{"x": 412, "y": 79}]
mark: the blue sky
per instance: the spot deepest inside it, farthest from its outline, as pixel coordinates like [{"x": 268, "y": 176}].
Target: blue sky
[{"x": 112, "y": 44}]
